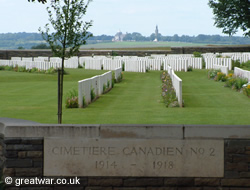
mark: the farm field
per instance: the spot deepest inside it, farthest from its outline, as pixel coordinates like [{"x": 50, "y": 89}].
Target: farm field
[
  {"x": 136, "y": 100},
  {"x": 139, "y": 45}
]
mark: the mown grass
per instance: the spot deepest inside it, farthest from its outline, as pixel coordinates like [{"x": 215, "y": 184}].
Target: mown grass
[{"x": 137, "y": 100}]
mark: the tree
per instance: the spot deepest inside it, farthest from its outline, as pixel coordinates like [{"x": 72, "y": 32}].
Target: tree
[
  {"x": 231, "y": 15},
  {"x": 42, "y": 1},
  {"x": 70, "y": 32}
]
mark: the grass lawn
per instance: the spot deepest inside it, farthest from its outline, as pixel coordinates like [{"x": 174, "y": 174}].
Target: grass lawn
[{"x": 137, "y": 100}]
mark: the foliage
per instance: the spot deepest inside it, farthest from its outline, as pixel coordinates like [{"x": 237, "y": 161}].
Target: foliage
[
  {"x": 168, "y": 92},
  {"x": 40, "y": 46},
  {"x": 220, "y": 77},
  {"x": 41, "y": 1},
  {"x": 20, "y": 47},
  {"x": 231, "y": 81},
  {"x": 239, "y": 83},
  {"x": 33, "y": 70},
  {"x": 80, "y": 66},
  {"x": 212, "y": 73},
  {"x": 246, "y": 65},
  {"x": 70, "y": 31},
  {"x": 197, "y": 54},
  {"x": 92, "y": 94},
  {"x": 108, "y": 84},
  {"x": 231, "y": 15},
  {"x": 190, "y": 68},
  {"x": 123, "y": 66},
  {"x": 246, "y": 90},
  {"x": 162, "y": 66},
  {"x": 104, "y": 87},
  {"x": 72, "y": 99},
  {"x": 235, "y": 63}
]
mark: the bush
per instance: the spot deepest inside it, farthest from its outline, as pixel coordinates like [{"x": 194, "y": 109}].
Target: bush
[
  {"x": 162, "y": 67},
  {"x": 92, "y": 94},
  {"x": 104, "y": 87},
  {"x": 246, "y": 65},
  {"x": 51, "y": 71},
  {"x": 190, "y": 68},
  {"x": 21, "y": 69},
  {"x": 239, "y": 83},
  {"x": 72, "y": 99},
  {"x": 220, "y": 77},
  {"x": 246, "y": 90},
  {"x": 212, "y": 73},
  {"x": 235, "y": 64},
  {"x": 197, "y": 54},
  {"x": 231, "y": 79},
  {"x": 123, "y": 67}
]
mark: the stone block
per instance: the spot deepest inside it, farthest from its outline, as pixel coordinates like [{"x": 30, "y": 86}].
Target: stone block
[
  {"x": 238, "y": 142},
  {"x": 11, "y": 154},
  {"x": 179, "y": 182},
  {"x": 134, "y": 157},
  {"x": 241, "y": 158},
  {"x": 232, "y": 174},
  {"x": 98, "y": 188},
  {"x": 29, "y": 172},
  {"x": 245, "y": 174},
  {"x": 142, "y": 131},
  {"x": 141, "y": 182},
  {"x": 12, "y": 140},
  {"x": 241, "y": 167},
  {"x": 207, "y": 182},
  {"x": 161, "y": 188},
  {"x": 235, "y": 150},
  {"x": 129, "y": 188},
  {"x": 19, "y": 163},
  {"x": 9, "y": 172},
  {"x": 33, "y": 141},
  {"x": 235, "y": 182},
  {"x": 19, "y": 147},
  {"x": 190, "y": 188},
  {"x": 68, "y": 188},
  {"x": 22, "y": 154},
  {"x": 35, "y": 154},
  {"x": 215, "y": 132},
  {"x": 105, "y": 182}
]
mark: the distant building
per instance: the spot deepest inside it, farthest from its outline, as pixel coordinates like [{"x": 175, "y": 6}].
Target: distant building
[
  {"x": 118, "y": 37},
  {"x": 156, "y": 34}
]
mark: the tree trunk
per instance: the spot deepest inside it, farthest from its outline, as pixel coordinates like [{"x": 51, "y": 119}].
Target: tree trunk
[{"x": 60, "y": 91}]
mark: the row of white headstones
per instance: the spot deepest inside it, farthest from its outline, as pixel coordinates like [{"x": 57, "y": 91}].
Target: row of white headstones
[
  {"x": 170, "y": 63},
  {"x": 179, "y": 62}
]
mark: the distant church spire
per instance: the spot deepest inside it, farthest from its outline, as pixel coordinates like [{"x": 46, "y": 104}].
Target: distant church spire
[{"x": 156, "y": 34}]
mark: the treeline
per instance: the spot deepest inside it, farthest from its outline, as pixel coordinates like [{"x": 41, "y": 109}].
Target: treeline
[
  {"x": 21, "y": 40},
  {"x": 206, "y": 39},
  {"x": 25, "y": 40}
]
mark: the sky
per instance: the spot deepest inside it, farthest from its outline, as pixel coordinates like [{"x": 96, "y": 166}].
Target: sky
[{"x": 182, "y": 17}]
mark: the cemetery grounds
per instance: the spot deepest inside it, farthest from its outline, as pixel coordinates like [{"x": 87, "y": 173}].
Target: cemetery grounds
[{"x": 136, "y": 100}]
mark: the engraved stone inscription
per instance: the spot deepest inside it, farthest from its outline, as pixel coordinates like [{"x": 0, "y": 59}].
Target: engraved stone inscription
[{"x": 129, "y": 157}]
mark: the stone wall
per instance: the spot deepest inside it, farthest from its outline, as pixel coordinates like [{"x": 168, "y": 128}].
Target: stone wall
[
  {"x": 22, "y": 155},
  {"x": 7, "y": 54}
]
